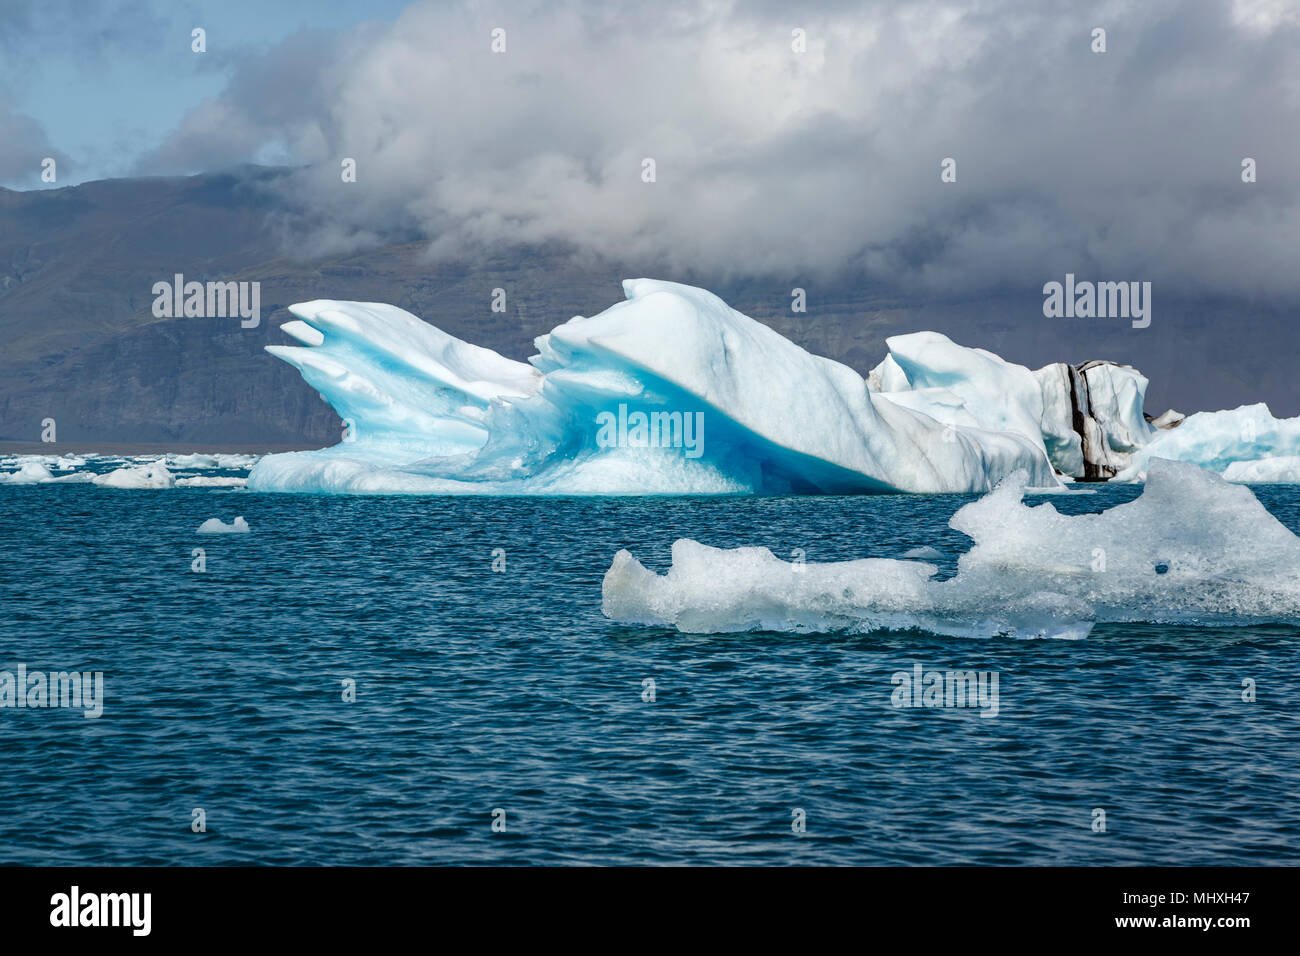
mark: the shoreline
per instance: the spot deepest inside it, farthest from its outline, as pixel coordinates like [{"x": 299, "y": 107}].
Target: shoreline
[{"x": 129, "y": 449}]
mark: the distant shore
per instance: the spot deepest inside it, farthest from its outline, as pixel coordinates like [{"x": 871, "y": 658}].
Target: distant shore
[{"x": 127, "y": 449}]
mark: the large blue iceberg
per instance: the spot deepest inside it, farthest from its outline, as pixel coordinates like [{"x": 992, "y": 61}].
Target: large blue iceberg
[
  {"x": 669, "y": 392},
  {"x": 674, "y": 392}
]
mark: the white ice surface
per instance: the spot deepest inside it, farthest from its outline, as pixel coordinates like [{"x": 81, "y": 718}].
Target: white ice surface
[
  {"x": 151, "y": 475},
  {"x": 928, "y": 372},
  {"x": 991, "y": 393},
  {"x": 1116, "y": 394},
  {"x": 1192, "y": 549},
  {"x": 28, "y": 473},
  {"x": 207, "y": 461},
  {"x": 211, "y": 481},
  {"x": 1217, "y": 440},
  {"x": 1283, "y": 470}
]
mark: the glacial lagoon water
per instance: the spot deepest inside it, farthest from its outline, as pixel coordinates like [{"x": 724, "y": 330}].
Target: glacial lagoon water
[{"x": 481, "y": 690}]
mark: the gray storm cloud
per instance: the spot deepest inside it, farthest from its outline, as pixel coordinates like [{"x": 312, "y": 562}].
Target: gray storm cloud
[{"x": 1125, "y": 164}]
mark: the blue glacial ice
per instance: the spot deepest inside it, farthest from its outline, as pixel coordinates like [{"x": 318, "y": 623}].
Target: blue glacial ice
[{"x": 669, "y": 392}]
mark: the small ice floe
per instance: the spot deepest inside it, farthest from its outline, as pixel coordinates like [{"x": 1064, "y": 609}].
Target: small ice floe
[
  {"x": 211, "y": 481},
  {"x": 149, "y": 475},
  {"x": 215, "y": 460},
  {"x": 28, "y": 473},
  {"x": 217, "y": 526},
  {"x": 923, "y": 553}
]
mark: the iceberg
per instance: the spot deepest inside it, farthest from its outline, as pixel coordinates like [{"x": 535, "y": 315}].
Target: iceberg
[
  {"x": 1191, "y": 549},
  {"x": 674, "y": 392},
  {"x": 1219, "y": 441},
  {"x": 1089, "y": 418},
  {"x": 429, "y": 414}
]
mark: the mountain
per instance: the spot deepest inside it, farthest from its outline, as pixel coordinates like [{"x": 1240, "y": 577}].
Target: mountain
[{"x": 82, "y": 346}]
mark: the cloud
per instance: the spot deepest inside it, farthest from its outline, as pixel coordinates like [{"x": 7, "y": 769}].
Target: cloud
[
  {"x": 278, "y": 104},
  {"x": 1122, "y": 165},
  {"x": 24, "y": 145}
]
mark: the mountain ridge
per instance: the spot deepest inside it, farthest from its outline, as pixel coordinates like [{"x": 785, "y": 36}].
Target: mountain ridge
[{"x": 78, "y": 265}]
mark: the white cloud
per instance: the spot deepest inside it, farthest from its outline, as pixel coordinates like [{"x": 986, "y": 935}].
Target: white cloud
[{"x": 1124, "y": 164}]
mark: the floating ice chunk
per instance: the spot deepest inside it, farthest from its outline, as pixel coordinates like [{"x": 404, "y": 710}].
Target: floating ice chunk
[
  {"x": 135, "y": 472},
  {"x": 710, "y": 590},
  {"x": 1192, "y": 549},
  {"x": 215, "y": 460},
  {"x": 29, "y": 473},
  {"x": 217, "y": 526},
  {"x": 923, "y": 553},
  {"x": 1283, "y": 470},
  {"x": 149, "y": 475},
  {"x": 211, "y": 481},
  {"x": 38, "y": 469},
  {"x": 191, "y": 461}
]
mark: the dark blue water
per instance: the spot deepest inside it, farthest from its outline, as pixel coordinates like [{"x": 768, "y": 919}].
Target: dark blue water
[{"x": 479, "y": 690}]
